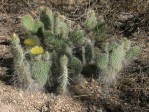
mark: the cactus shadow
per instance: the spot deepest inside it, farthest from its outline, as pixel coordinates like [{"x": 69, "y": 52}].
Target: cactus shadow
[{"x": 7, "y": 63}]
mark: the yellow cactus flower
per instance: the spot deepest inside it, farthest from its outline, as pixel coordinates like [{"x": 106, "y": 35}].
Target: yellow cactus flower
[
  {"x": 37, "y": 50},
  {"x": 30, "y": 42}
]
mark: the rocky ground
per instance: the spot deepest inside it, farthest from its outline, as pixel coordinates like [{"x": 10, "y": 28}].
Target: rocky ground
[{"x": 131, "y": 94}]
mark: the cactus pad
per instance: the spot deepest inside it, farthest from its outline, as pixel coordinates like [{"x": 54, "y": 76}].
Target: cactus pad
[
  {"x": 103, "y": 61},
  {"x": 133, "y": 52},
  {"x": 64, "y": 74},
  {"x": 91, "y": 20},
  {"x": 28, "y": 22},
  {"x": 46, "y": 16},
  {"x": 117, "y": 57},
  {"x": 127, "y": 44},
  {"x": 89, "y": 53},
  {"x": 77, "y": 37},
  {"x": 40, "y": 71},
  {"x": 76, "y": 66}
]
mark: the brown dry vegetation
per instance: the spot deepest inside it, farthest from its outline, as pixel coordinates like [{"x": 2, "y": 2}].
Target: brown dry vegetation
[{"x": 130, "y": 94}]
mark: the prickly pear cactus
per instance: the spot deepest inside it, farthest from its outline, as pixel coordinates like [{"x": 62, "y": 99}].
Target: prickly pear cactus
[
  {"x": 53, "y": 34},
  {"x": 112, "y": 62}
]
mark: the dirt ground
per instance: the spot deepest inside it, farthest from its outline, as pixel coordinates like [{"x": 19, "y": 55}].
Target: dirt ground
[{"x": 130, "y": 94}]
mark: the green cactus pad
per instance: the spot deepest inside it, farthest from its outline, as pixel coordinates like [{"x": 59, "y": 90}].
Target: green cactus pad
[
  {"x": 91, "y": 20},
  {"x": 101, "y": 28},
  {"x": 63, "y": 79},
  {"x": 127, "y": 44},
  {"x": 52, "y": 40},
  {"x": 88, "y": 53},
  {"x": 64, "y": 30},
  {"x": 76, "y": 66},
  {"x": 57, "y": 24},
  {"x": 63, "y": 60},
  {"x": 40, "y": 71},
  {"x": 37, "y": 24},
  {"x": 49, "y": 37},
  {"x": 112, "y": 46},
  {"x": 47, "y": 18},
  {"x": 67, "y": 51},
  {"x": 17, "y": 50},
  {"x": 133, "y": 52},
  {"x": 58, "y": 43},
  {"x": 77, "y": 37},
  {"x": 28, "y": 22},
  {"x": 117, "y": 57},
  {"x": 22, "y": 76},
  {"x": 102, "y": 61}
]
